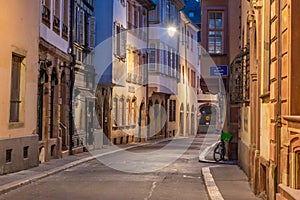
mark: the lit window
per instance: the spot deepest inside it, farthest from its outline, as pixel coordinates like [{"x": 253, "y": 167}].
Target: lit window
[
  {"x": 215, "y": 32},
  {"x": 191, "y": 14}
]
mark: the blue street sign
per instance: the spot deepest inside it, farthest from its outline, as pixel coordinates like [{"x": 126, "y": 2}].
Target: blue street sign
[{"x": 220, "y": 70}]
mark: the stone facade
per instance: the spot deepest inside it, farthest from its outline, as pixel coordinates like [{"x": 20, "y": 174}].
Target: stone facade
[
  {"x": 56, "y": 78},
  {"x": 121, "y": 94},
  {"x": 271, "y": 161},
  {"x": 220, "y": 40},
  {"x": 19, "y": 72}
]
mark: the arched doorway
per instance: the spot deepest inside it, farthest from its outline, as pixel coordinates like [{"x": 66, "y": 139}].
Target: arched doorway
[
  {"x": 141, "y": 121},
  {"x": 106, "y": 117},
  {"x": 208, "y": 115},
  {"x": 43, "y": 80},
  {"x": 64, "y": 112},
  {"x": 208, "y": 118},
  {"x": 53, "y": 97}
]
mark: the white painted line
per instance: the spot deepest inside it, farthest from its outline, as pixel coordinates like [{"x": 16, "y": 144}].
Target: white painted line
[
  {"x": 205, "y": 152},
  {"x": 212, "y": 189},
  {"x": 151, "y": 191}
]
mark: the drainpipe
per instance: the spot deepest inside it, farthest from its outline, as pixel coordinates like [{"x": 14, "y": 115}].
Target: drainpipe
[
  {"x": 72, "y": 77},
  {"x": 278, "y": 117},
  {"x": 186, "y": 71}
]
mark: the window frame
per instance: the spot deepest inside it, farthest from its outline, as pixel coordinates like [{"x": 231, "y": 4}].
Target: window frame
[
  {"x": 172, "y": 110},
  {"x": 20, "y": 118},
  {"x": 223, "y": 29}
]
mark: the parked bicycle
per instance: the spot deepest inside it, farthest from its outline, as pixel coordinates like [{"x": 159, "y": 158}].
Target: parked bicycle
[{"x": 220, "y": 149}]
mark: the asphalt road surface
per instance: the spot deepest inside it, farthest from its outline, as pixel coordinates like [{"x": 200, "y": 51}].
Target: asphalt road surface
[{"x": 154, "y": 171}]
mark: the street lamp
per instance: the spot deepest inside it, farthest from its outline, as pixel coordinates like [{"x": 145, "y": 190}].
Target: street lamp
[{"x": 171, "y": 30}]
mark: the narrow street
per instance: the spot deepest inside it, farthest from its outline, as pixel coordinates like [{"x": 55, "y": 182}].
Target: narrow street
[{"x": 94, "y": 180}]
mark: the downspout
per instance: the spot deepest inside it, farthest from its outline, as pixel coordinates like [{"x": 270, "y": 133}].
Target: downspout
[
  {"x": 72, "y": 76},
  {"x": 279, "y": 101},
  {"x": 146, "y": 75},
  {"x": 186, "y": 72}
]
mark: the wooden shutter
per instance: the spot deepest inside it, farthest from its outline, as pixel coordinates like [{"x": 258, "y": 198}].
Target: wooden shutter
[{"x": 91, "y": 34}]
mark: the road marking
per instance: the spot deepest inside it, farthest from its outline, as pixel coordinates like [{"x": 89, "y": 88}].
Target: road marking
[
  {"x": 205, "y": 151},
  {"x": 151, "y": 191},
  {"x": 212, "y": 189},
  {"x": 186, "y": 176}
]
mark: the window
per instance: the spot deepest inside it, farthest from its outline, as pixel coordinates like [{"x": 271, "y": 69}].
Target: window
[
  {"x": 119, "y": 41},
  {"x": 192, "y": 42},
  {"x": 122, "y": 114},
  {"x": 46, "y": 12},
  {"x": 133, "y": 114},
  {"x": 56, "y": 17},
  {"x": 152, "y": 58},
  {"x": 215, "y": 32},
  {"x": 25, "y": 152},
  {"x": 91, "y": 32},
  {"x": 193, "y": 77},
  {"x": 191, "y": 14},
  {"x": 172, "y": 110},
  {"x": 127, "y": 112},
  {"x": 115, "y": 112},
  {"x": 15, "y": 99},
  {"x": 188, "y": 40},
  {"x": 8, "y": 155},
  {"x": 129, "y": 16}
]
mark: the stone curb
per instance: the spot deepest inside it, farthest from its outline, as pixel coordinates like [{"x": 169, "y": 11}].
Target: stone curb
[
  {"x": 206, "y": 151},
  {"x": 210, "y": 185}
]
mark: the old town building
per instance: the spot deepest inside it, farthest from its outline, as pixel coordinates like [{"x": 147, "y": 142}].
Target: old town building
[
  {"x": 269, "y": 123},
  {"x": 189, "y": 77},
  {"x": 19, "y": 73},
  {"x": 220, "y": 39},
  {"x": 56, "y": 77},
  {"x": 121, "y": 65},
  {"x": 163, "y": 71},
  {"x": 84, "y": 88}
]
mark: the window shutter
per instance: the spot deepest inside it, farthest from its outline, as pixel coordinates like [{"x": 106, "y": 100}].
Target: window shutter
[
  {"x": 81, "y": 27},
  {"x": 91, "y": 34},
  {"x": 114, "y": 37},
  {"x": 123, "y": 42}
]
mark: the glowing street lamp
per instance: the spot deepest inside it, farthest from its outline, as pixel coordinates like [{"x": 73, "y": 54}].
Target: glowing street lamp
[{"x": 171, "y": 31}]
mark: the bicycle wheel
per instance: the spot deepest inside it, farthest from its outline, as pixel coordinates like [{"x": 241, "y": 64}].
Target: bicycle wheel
[{"x": 218, "y": 153}]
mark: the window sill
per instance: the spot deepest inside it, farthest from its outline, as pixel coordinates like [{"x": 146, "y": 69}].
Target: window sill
[{"x": 13, "y": 125}]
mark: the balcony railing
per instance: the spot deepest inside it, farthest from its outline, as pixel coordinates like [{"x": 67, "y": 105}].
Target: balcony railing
[
  {"x": 46, "y": 16},
  {"x": 135, "y": 78}
]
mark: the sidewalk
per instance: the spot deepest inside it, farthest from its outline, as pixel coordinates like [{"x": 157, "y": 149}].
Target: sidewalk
[{"x": 224, "y": 179}]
